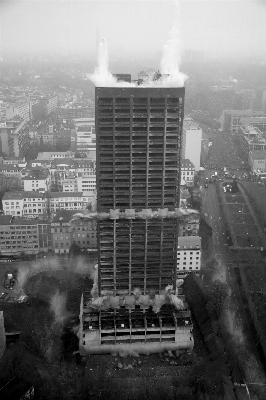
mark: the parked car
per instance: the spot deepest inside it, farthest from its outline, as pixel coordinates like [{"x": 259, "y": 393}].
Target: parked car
[{"x": 10, "y": 280}]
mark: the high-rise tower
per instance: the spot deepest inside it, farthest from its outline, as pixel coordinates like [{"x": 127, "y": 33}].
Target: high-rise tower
[
  {"x": 135, "y": 305},
  {"x": 138, "y": 168}
]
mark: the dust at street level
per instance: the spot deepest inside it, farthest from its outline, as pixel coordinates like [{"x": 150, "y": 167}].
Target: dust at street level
[{"x": 226, "y": 274}]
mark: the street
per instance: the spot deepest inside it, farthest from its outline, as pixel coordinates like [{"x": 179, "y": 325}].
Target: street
[{"x": 237, "y": 323}]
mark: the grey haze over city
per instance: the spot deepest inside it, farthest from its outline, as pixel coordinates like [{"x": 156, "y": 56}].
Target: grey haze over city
[{"x": 220, "y": 28}]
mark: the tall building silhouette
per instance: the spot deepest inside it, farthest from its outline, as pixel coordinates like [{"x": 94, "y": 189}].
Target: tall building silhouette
[
  {"x": 137, "y": 305},
  {"x": 138, "y": 167}
]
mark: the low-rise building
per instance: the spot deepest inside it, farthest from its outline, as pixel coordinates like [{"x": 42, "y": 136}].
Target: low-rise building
[
  {"x": 191, "y": 142},
  {"x": 65, "y": 232},
  {"x": 189, "y": 227},
  {"x": 187, "y": 172},
  {"x": 12, "y": 203},
  {"x": 61, "y": 232},
  {"x": 19, "y": 161},
  {"x": 75, "y": 110},
  {"x": 52, "y": 155},
  {"x": 69, "y": 185},
  {"x": 26, "y": 204},
  {"x": 188, "y": 256},
  {"x": 233, "y": 119},
  {"x": 87, "y": 184},
  {"x": 34, "y": 205},
  {"x": 257, "y": 161},
  {"x": 41, "y": 205},
  {"x": 44, "y": 236},
  {"x": 83, "y": 137},
  {"x": 37, "y": 180},
  {"x": 85, "y": 234},
  {"x": 18, "y": 236},
  {"x": 66, "y": 201},
  {"x": 10, "y": 170}
]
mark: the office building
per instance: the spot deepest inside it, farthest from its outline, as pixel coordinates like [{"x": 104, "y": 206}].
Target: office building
[
  {"x": 191, "y": 142},
  {"x": 83, "y": 137},
  {"x": 18, "y": 235},
  {"x": 139, "y": 133},
  {"x": 233, "y": 119},
  {"x": 143, "y": 145},
  {"x": 75, "y": 110}
]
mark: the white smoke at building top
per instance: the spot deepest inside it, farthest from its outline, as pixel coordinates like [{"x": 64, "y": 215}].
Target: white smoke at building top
[
  {"x": 170, "y": 73},
  {"x": 171, "y": 57},
  {"x": 102, "y": 77}
]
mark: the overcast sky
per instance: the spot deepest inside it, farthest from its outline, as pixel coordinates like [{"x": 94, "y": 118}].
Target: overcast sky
[{"x": 227, "y": 27}]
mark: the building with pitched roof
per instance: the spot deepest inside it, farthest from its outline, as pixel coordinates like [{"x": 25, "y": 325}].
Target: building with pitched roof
[
  {"x": 188, "y": 256},
  {"x": 187, "y": 172}
]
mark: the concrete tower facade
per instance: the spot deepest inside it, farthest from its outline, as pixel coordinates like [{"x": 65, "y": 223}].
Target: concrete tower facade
[
  {"x": 138, "y": 168},
  {"x": 134, "y": 305}
]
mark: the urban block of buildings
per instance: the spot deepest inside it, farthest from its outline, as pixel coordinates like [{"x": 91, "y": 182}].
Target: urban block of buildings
[{"x": 21, "y": 236}]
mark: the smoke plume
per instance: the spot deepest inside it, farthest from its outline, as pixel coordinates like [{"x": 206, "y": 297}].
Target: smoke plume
[
  {"x": 76, "y": 265},
  {"x": 171, "y": 76},
  {"x": 58, "y": 307},
  {"x": 106, "y": 301},
  {"x": 171, "y": 58},
  {"x": 22, "y": 277},
  {"x": 102, "y": 77}
]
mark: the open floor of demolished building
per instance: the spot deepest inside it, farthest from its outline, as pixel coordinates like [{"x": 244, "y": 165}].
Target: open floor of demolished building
[{"x": 134, "y": 324}]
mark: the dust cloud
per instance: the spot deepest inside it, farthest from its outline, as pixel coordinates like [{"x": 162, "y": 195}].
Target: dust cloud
[
  {"x": 53, "y": 264},
  {"x": 58, "y": 307}
]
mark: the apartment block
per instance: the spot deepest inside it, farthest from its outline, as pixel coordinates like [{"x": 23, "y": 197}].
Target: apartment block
[
  {"x": 187, "y": 172},
  {"x": 11, "y": 170},
  {"x": 37, "y": 180},
  {"x": 21, "y": 109},
  {"x": 65, "y": 233},
  {"x": 188, "y": 256}
]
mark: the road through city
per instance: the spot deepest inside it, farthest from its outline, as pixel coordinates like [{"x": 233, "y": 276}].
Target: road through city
[{"x": 235, "y": 318}]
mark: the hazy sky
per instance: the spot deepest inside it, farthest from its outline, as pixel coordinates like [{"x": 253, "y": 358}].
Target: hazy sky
[{"x": 227, "y": 27}]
